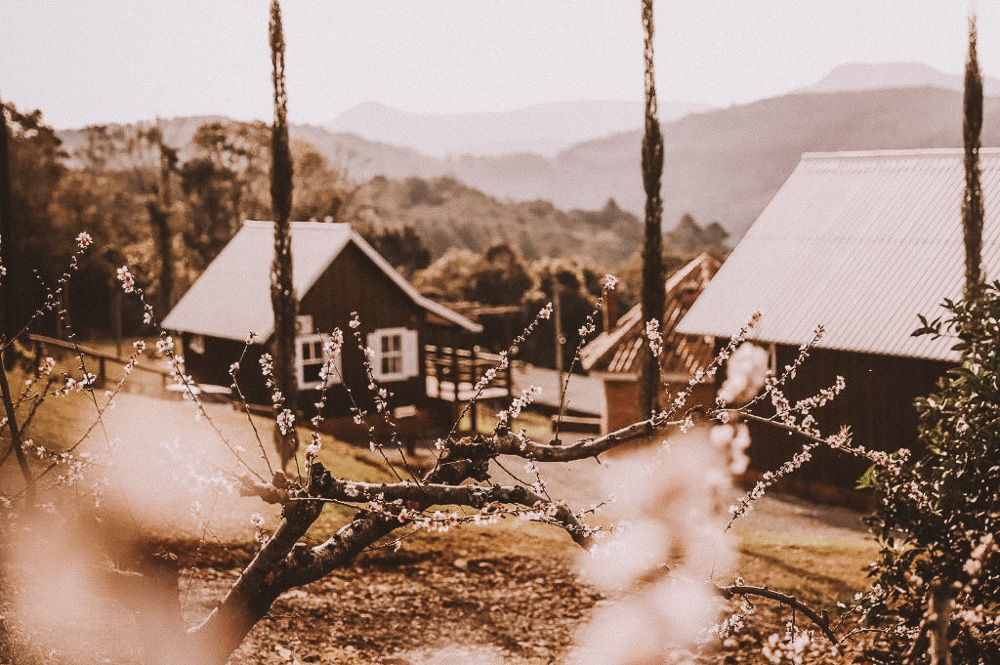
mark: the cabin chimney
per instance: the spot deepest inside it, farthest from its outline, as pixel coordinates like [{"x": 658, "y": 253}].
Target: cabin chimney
[{"x": 610, "y": 310}]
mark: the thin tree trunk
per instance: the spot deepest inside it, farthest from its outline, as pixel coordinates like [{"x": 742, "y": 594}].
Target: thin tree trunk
[
  {"x": 283, "y": 298},
  {"x": 284, "y": 563},
  {"x": 159, "y": 220},
  {"x": 159, "y": 217},
  {"x": 652, "y": 247},
  {"x": 15, "y": 434},
  {"x": 972, "y": 203},
  {"x": 10, "y": 294}
]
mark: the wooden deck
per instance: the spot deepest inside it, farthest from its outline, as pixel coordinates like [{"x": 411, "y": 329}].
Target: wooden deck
[{"x": 452, "y": 374}]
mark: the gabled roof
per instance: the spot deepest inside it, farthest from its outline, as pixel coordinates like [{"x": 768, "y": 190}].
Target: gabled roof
[
  {"x": 232, "y": 297},
  {"x": 861, "y": 243},
  {"x": 617, "y": 350}
]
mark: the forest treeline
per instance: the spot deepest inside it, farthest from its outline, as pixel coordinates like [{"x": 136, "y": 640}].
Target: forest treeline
[{"x": 168, "y": 210}]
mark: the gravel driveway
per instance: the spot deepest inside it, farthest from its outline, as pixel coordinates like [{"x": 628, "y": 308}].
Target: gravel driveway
[{"x": 582, "y": 484}]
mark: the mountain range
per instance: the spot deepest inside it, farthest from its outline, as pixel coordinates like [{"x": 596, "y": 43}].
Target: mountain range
[
  {"x": 720, "y": 165},
  {"x": 543, "y": 129},
  {"x": 725, "y": 164},
  {"x": 888, "y": 75}
]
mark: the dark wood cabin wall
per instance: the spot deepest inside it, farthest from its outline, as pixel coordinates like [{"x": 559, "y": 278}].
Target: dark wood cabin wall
[
  {"x": 354, "y": 284},
  {"x": 877, "y": 404},
  {"x": 212, "y": 367}
]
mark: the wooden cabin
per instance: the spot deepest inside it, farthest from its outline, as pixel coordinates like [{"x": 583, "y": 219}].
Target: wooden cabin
[
  {"x": 421, "y": 351},
  {"x": 614, "y": 355},
  {"x": 860, "y": 243}
]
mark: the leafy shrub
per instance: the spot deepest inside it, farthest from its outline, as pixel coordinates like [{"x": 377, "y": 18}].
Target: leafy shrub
[{"x": 937, "y": 516}]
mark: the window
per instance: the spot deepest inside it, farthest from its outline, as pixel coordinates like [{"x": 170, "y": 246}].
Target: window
[
  {"x": 309, "y": 358},
  {"x": 196, "y": 344},
  {"x": 391, "y": 354},
  {"x": 395, "y": 356}
]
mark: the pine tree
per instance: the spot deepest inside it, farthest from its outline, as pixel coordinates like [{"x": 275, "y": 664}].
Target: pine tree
[
  {"x": 283, "y": 299},
  {"x": 159, "y": 208},
  {"x": 972, "y": 203},
  {"x": 652, "y": 247}
]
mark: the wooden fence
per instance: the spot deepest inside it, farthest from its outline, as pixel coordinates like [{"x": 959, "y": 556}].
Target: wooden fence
[{"x": 103, "y": 365}]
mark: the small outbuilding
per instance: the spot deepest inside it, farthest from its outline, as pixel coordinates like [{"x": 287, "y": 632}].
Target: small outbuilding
[
  {"x": 421, "y": 351},
  {"x": 860, "y": 243},
  {"x": 614, "y": 355}
]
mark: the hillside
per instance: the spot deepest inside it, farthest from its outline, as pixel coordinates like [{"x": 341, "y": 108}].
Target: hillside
[
  {"x": 363, "y": 158},
  {"x": 447, "y": 213},
  {"x": 444, "y": 212}
]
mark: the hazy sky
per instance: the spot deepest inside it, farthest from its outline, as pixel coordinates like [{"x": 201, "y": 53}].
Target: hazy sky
[{"x": 120, "y": 60}]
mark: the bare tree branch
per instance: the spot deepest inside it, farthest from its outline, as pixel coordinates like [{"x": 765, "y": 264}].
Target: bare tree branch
[
  {"x": 822, "y": 620},
  {"x": 284, "y": 563},
  {"x": 509, "y": 443},
  {"x": 323, "y": 486}
]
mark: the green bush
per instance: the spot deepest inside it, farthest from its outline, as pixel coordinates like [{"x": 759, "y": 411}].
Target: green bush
[{"x": 938, "y": 513}]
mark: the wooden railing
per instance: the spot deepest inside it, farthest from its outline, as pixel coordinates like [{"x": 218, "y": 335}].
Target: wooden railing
[
  {"x": 103, "y": 361},
  {"x": 454, "y": 373}
]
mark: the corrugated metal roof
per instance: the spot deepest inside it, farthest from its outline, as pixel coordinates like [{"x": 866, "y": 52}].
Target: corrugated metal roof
[
  {"x": 859, "y": 242},
  {"x": 617, "y": 350},
  {"x": 233, "y": 297}
]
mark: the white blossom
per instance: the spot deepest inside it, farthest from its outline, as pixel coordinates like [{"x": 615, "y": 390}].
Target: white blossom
[
  {"x": 312, "y": 450},
  {"x": 746, "y": 374},
  {"x": 127, "y": 280},
  {"x": 286, "y": 421},
  {"x": 84, "y": 240},
  {"x": 654, "y": 337}
]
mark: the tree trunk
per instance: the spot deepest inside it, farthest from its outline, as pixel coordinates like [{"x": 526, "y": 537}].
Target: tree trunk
[
  {"x": 652, "y": 295},
  {"x": 11, "y": 296},
  {"x": 283, "y": 563},
  {"x": 159, "y": 217}
]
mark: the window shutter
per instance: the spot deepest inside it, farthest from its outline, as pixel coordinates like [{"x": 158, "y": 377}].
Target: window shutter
[
  {"x": 411, "y": 353},
  {"x": 374, "y": 342}
]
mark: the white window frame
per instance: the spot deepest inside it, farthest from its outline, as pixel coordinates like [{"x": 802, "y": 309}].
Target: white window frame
[
  {"x": 304, "y": 343},
  {"x": 407, "y": 355}
]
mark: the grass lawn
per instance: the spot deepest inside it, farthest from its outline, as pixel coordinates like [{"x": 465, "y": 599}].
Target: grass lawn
[{"x": 820, "y": 571}]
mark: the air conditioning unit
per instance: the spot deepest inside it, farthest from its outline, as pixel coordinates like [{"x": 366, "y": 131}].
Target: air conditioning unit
[{"x": 304, "y": 324}]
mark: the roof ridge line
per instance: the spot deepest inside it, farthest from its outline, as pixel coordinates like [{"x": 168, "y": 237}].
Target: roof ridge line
[{"x": 902, "y": 152}]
